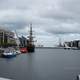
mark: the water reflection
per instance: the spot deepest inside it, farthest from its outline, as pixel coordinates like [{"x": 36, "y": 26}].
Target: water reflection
[{"x": 44, "y": 64}]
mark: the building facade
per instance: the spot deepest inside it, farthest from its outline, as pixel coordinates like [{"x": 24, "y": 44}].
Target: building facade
[
  {"x": 23, "y": 41},
  {"x": 6, "y": 38},
  {"x": 74, "y": 43}
]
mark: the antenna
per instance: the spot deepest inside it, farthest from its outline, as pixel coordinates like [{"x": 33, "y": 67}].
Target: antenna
[{"x": 30, "y": 35}]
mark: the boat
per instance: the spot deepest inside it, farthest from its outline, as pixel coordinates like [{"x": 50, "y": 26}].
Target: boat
[
  {"x": 23, "y": 50},
  {"x": 30, "y": 43},
  {"x": 31, "y": 48},
  {"x": 9, "y": 53},
  {"x": 18, "y": 52}
]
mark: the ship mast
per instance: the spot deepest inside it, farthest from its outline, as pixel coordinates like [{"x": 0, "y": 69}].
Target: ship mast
[
  {"x": 30, "y": 45},
  {"x": 31, "y": 35}
]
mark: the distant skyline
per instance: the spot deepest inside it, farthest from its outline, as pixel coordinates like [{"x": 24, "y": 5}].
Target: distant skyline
[{"x": 51, "y": 19}]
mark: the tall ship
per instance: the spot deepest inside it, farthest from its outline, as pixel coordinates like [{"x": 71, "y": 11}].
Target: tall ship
[{"x": 30, "y": 42}]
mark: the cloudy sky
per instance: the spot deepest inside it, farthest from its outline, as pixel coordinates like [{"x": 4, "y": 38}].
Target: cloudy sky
[{"x": 51, "y": 19}]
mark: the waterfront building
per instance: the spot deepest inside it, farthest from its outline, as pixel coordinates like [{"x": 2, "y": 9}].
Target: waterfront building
[
  {"x": 6, "y": 38},
  {"x": 23, "y": 41},
  {"x": 74, "y": 43}
]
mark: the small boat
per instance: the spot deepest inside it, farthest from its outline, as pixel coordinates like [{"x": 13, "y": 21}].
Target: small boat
[
  {"x": 18, "y": 52},
  {"x": 9, "y": 53},
  {"x": 23, "y": 50}
]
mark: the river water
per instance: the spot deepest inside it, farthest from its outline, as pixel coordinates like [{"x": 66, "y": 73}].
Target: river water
[{"x": 44, "y": 64}]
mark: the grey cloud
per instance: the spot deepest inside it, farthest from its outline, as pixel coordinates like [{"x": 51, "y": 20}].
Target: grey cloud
[
  {"x": 50, "y": 16},
  {"x": 66, "y": 10},
  {"x": 14, "y": 4},
  {"x": 64, "y": 28}
]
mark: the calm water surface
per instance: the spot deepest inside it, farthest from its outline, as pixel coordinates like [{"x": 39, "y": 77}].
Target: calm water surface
[{"x": 44, "y": 64}]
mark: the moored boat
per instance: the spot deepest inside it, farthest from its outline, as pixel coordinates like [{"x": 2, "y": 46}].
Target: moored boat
[
  {"x": 9, "y": 53},
  {"x": 23, "y": 50},
  {"x": 18, "y": 52},
  {"x": 31, "y": 48}
]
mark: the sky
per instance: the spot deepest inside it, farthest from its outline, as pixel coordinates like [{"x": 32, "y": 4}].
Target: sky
[{"x": 52, "y": 19}]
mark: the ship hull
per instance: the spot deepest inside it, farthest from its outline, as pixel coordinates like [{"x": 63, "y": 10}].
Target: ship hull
[
  {"x": 31, "y": 48},
  {"x": 8, "y": 56},
  {"x": 27, "y": 49},
  {"x": 23, "y": 50}
]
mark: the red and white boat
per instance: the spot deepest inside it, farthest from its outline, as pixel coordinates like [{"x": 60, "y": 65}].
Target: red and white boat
[{"x": 23, "y": 50}]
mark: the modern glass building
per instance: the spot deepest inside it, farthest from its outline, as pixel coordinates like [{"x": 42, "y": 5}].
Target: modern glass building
[
  {"x": 6, "y": 38},
  {"x": 23, "y": 41}
]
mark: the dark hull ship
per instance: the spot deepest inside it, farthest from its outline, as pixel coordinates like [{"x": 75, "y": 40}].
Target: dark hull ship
[
  {"x": 30, "y": 43},
  {"x": 31, "y": 48}
]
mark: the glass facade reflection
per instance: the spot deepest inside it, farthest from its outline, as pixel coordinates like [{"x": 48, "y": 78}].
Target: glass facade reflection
[{"x": 6, "y": 38}]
